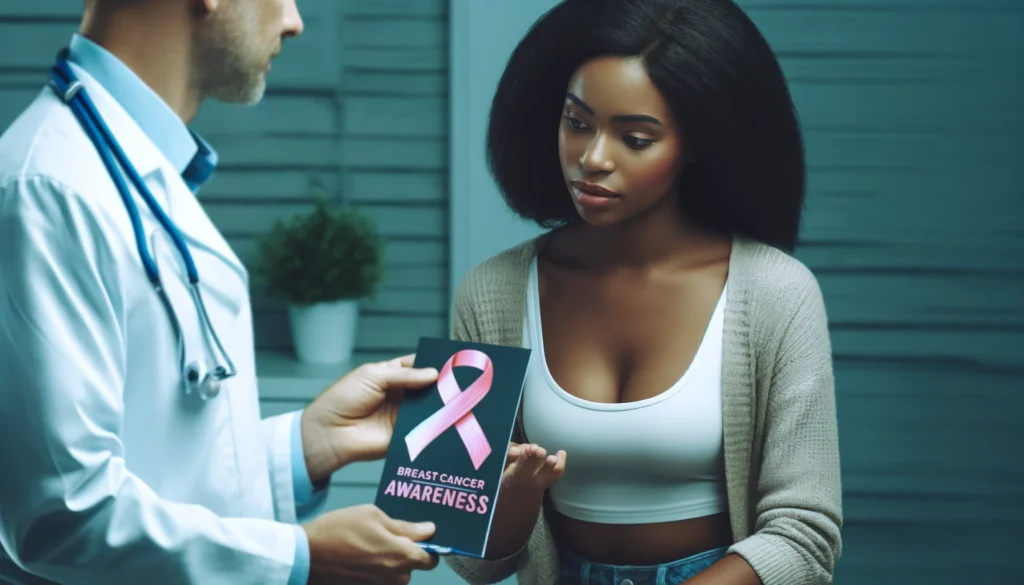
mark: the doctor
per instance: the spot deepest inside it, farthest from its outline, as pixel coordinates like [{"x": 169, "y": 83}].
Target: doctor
[{"x": 132, "y": 445}]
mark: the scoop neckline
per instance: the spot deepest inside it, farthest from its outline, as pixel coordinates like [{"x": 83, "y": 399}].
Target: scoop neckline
[{"x": 536, "y": 331}]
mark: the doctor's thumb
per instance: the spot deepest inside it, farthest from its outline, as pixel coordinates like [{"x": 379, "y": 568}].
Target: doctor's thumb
[{"x": 414, "y": 531}]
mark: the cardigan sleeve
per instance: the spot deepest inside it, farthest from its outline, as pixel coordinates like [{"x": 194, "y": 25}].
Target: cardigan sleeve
[{"x": 797, "y": 505}]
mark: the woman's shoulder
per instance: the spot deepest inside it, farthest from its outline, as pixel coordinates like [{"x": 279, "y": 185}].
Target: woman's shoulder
[
  {"x": 500, "y": 274},
  {"x": 779, "y": 285}
]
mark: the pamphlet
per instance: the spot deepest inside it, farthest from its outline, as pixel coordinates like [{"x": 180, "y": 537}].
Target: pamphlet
[{"x": 448, "y": 452}]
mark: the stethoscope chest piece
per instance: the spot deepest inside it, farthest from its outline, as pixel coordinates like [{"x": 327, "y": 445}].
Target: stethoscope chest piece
[{"x": 203, "y": 383}]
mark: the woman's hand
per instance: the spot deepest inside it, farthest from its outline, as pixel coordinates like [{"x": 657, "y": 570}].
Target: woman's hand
[
  {"x": 529, "y": 470},
  {"x": 528, "y": 467}
]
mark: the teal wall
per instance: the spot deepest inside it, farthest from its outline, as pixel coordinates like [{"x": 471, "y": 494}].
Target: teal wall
[
  {"x": 911, "y": 111},
  {"x": 912, "y": 115}
]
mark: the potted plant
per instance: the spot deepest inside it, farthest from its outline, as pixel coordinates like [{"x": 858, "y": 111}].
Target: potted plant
[{"x": 322, "y": 264}]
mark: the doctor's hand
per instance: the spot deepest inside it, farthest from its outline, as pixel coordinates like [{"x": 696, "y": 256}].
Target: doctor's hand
[
  {"x": 354, "y": 418},
  {"x": 362, "y": 545}
]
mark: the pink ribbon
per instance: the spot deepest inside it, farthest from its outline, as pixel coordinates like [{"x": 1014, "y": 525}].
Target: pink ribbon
[{"x": 457, "y": 409}]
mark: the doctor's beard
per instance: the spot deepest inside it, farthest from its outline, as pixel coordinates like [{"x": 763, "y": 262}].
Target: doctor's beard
[{"x": 230, "y": 57}]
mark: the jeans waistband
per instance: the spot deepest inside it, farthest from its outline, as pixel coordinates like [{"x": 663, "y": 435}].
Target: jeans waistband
[{"x": 574, "y": 570}]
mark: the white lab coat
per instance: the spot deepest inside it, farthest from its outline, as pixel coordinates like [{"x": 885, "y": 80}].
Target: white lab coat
[{"x": 109, "y": 473}]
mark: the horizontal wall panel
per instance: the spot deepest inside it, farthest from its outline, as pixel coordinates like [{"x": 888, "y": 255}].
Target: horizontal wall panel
[
  {"x": 907, "y": 191},
  {"x": 859, "y": 69},
  {"x": 361, "y": 82},
  {"x": 37, "y": 41},
  {"x": 277, "y": 152},
  {"x": 904, "y": 107},
  {"x": 395, "y": 59},
  {"x": 969, "y": 509},
  {"x": 14, "y": 79},
  {"x": 429, "y": 278},
  {"x": 411, "y": 253},
  {"x": 401, "y": 275},
  {"x": 855, "y": 217},
  {"x": 364, "y": 187},
  {"x": 417, "y": 277},
  {"x": 294, "y": 115},
  {"x": 990, "y": 347},
  {"x": 379, "y": 117},
  {"x": 72, "y": 11},
  {"x": 850, "y": 29},
  {"x": 377, "y": 333},
  {"x": 888, "y": 151},
  {"x": 396, "y": 9},
  {"x": 249, "y": 220},
  {"x": 395, "y": 32},
  {"x": 410, "y": 302},
  {"x": 369, "y": 186},
  {"x": 924, "y": 298},
  {"x": 836, "y": 255},
  {"x": 396, "y": 153},
  {"x": 233, "y": 184},
  {"x": 934, "y": 553}
]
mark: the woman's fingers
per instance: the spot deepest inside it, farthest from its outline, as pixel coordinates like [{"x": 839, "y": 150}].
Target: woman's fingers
[{"x": 530, "y": 464}]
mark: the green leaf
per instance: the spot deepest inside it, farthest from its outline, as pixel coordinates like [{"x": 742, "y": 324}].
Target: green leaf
[{"x": 331, "y": 253}]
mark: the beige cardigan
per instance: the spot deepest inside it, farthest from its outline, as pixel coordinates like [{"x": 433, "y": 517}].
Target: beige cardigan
[{"x": 781, "y": 444}]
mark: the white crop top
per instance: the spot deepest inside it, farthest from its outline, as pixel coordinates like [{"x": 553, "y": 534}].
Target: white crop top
[{"x": 655, "y": 460}]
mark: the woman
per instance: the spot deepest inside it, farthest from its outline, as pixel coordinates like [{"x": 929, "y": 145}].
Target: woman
[{"x": 678, "y": 420}]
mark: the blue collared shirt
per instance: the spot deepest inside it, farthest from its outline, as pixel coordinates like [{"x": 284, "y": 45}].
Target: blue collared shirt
[{"x": 196, "y": 161}]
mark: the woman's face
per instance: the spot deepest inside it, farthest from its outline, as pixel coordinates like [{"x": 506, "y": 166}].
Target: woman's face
[{"x": 617, "y": 142}]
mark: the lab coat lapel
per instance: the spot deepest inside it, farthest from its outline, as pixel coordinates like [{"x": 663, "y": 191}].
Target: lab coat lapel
[{"x": 171, "y": 193}]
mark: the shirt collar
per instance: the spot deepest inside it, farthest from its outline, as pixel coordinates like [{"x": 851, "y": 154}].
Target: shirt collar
[{"x": 187, "y": 152}]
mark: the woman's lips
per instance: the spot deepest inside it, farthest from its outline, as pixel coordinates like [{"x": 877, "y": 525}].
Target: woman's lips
[
  {"x": 591, "y": 195},
  {"x": 593, "y": 189}
]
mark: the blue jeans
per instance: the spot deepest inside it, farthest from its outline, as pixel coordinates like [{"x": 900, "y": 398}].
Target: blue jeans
[{"x": 576, "y": 571}]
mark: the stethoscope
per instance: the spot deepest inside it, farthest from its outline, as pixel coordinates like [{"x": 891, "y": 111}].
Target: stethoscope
[{"x": 205, "y": 382}]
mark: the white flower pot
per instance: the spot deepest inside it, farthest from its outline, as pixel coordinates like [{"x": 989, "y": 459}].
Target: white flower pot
[{"x": 324, "y": 333}]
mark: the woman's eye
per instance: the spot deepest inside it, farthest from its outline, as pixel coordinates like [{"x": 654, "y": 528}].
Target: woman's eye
[
  {"x": 575, "y": 123},
  {"x": 637, "y": 143}
]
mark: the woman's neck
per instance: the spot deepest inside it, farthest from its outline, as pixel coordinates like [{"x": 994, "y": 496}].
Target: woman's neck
[{"x": 660, "y": 238}]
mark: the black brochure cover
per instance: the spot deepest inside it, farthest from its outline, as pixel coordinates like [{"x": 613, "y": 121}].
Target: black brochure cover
[{"x": 447, "y": 455}]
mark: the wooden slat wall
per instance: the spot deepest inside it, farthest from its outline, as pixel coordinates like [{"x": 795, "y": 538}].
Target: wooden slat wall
[
  {"x": 357, "y": 104},
  {"x": 911, "y": 111},
  {"x": 378, "y": 137}
]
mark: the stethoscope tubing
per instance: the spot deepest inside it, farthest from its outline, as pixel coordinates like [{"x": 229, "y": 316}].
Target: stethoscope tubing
[
  {"x": 102, "y": 138},
  {"x": 71, "y": 91}
]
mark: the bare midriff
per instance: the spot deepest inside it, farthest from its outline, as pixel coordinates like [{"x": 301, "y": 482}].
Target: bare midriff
[{"x": 640, "y": 544}]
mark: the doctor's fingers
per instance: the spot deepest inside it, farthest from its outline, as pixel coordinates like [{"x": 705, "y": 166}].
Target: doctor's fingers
[
  {"x": 408, "y": 534},
  {"x": 391, "y": 378},
  {"x": 417, "y": 559}
]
